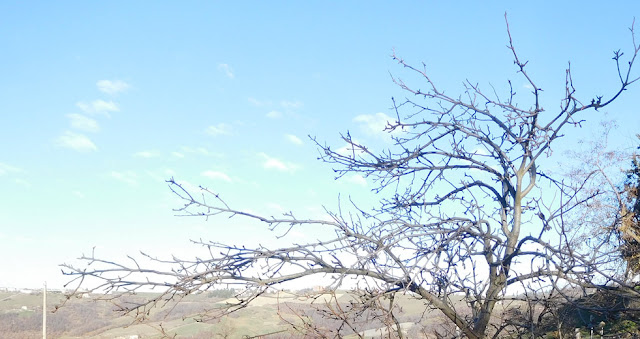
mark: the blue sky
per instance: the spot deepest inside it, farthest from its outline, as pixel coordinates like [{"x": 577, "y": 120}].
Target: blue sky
[{"x": 100, "y": 102}]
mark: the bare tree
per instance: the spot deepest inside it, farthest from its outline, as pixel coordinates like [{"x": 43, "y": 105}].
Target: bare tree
[{"x": 468, "y": 216}]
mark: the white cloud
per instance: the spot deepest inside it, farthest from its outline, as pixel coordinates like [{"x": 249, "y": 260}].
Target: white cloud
[
  {"x": 6, "y": 169},
  {"x": 128, "y": 177},
  {"x": 197, "y": 151},
  {"x": 204, "y": 151},
  {"x": 295, "y": 234},
  {"x": 112, "y": 87},
  {"x": 319, "y": 213},
  {"x": 77, "y": 142},
  {"x": 146, "y": 154},
  {"x": 216, "y": 175},
  {"x": 293, "y": 139},
  {"x": 190, "y": 187},
  {"x": 227, "y": 70},
  {"x": 22, "y": 182},
  {"x": 276, "y": 207},
  {"x": 480, "y": 151},
  {"x": 291, "y": 104},
  {"x": 258, "y": 103},
  {"x": 98, "y": 106},
  {"x": 160, "y": 175},
  {"x": 374, "y": 124},
  {"x": 81, "y": 122},
  {"x": 356, "y": 179},
  {"x": 78, "y": 194},
  {"x": 274, "y": 115},
  {"x": 349, "y": 150},
  {"x": 277, "y": 164},
  {"x": 219, "y": 129}
]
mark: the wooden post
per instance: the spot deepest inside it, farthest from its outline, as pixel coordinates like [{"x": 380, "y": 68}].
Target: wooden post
[{"x": 44, "y": 311}]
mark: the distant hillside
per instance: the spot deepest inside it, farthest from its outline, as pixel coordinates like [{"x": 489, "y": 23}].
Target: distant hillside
[
  {"x": 21, "y": 317},
  {"x": 279, "y": 315}
]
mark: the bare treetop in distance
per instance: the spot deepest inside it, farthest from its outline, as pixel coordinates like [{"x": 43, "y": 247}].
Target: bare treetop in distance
[
  {"x": 462, "y": 214},
  {"x": 628, "y": 222}
]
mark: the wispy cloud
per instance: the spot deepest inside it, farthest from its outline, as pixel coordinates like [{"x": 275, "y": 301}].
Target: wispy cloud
[
  {"x": 98, "y": 107},
  {"x": 146, "y": 154},
  {"x": 274, "y": 115},
  {"x": 81, "y": 122},
  {"x": 9, "y": 170},
  {"x": 219, "y": 129},
  {"x": 23, "y": 183},
  {"x": 374, "y": 124},
  {"x": 216, "y": 175},
  {"x": 277, "y": 164},
  {"x": 112, "y": 87},
  {"x": 227, "y": 70},
  {"x": 356, "y": 179},
  {"x": 293, "y": 139},
  {"x": 200, "y": 151},
  {"x": 349, "y": 149},
  {"x": 6, "y": 169},
  {"x": 190, "y": 187},
  {"x": 258, "y": 103},
  {"x": 160, "y": 175},
  {"x": 291, "y": 104},
  {"x": 76, "y": 142},
  {"x": 275, "y": 206},
  {"x": 128, "y": 177}
]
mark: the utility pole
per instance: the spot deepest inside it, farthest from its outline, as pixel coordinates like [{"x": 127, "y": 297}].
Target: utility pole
[{"x": 44, "y": 312}]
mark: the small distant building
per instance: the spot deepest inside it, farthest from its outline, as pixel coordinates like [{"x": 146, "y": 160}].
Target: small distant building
[{"x": 319, "y": 289}]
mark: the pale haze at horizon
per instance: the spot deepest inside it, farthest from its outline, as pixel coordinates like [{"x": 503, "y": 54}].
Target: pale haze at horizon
[{"x": 100, "y": 103}]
